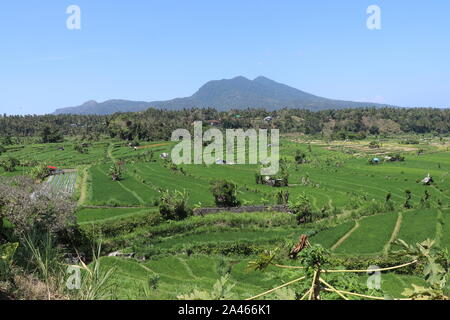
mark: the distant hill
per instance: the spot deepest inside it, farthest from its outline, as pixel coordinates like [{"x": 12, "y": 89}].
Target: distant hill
[
  {"x": 236, "y": 93},
  {"x": 107, "y": 107}
]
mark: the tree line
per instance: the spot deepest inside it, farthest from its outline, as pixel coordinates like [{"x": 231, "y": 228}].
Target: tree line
[{"x": 154, "y": 124}]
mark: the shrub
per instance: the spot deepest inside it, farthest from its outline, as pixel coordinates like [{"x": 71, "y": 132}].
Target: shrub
[
  {"x": 374, "y": 145},
  {"x": 397, "y": 157},
  {"x": 410, "y": 141},
  {"x": 116, "y": 171},
  {"x": 28, "y": 207},
  {"x": 408, "y": 197},
  {"x": 425, "y": 200},
  {"x": 224, "y": 193},
  {"x": 174, "y": 205},
  {"x": 302, "y": 209},
  {"x": 40, "y": 172},
  {"x": 9, "y": 164},
  {"x": 282, "y": 197},
  {"x": 300, "y": 157},
  {"x": 153, "y": 281},
  {"x": 80, "y": 148}
]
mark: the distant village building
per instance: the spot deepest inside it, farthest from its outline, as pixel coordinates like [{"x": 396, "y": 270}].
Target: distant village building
[
  {"x": 268, "y": 119},
  {"x": 213, "y": 123},
  {"x": 428, "y": 180},
  {"x": 273, "y": 182},
  {"x": 52, "y": 169}
]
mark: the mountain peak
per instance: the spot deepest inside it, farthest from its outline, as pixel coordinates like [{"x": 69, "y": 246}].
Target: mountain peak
[
  {"x": 241, "y": 78},
  {"x": 236, "y": 93},
  {"x": 90, "y": 103},
  {"x": 262, "y": 79}
]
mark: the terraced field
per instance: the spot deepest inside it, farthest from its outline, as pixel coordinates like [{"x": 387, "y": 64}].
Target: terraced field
[
  {"x": 374, "y": 233},
  {"x": 62, "y": 155},
  {"x": 96, "y": 215},
  {"x": 198, "y": 249},
  {"x": 179, "y": 275},
  {"x": 329, "y": 179},
  {"x": 62, "y": 182},
  {"x": 371, "y": 236}
]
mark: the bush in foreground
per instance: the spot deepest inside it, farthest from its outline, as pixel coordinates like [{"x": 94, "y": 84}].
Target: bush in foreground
[
  {"x": 225, "y": 193},
  {"x": 174, "y": 205}
]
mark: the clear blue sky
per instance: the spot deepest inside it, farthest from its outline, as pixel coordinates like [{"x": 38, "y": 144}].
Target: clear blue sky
[{"x": 153, "y": 50}]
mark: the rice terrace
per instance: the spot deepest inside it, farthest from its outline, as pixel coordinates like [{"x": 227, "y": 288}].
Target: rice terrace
[
  {"x": 153, "y": 237},
  {"x": 185, "y": 181}
]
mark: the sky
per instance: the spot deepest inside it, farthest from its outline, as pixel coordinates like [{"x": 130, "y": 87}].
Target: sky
[{"x": 150, "y": 50}]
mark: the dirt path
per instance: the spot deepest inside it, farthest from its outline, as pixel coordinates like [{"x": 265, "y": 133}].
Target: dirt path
[
  {"x": 395, "y": 232},
  {"x": 109, "y": 152},
  {"x": 345, "y": 237},
  {"x": 83, "y": 187}
]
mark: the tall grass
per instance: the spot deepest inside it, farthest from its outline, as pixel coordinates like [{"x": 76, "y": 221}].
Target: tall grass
[
  {"x": 94, "y": 282},
  {"x": 45, "y": 262}
]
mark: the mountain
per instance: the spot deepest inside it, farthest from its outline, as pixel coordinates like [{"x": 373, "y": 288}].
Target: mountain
[
  {"x": 107, "y": 107},
  {"x": 236, "y": 93}
]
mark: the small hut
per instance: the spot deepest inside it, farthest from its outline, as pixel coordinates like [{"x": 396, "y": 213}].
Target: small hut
[
  {"x": 274, "y": 182},
  {"x": 428, "y": 180},
  {"x": 52, "y": 169}
]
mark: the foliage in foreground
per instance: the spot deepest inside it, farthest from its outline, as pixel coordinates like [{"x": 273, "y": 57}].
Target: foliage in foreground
[
  {"x": 174, "y": 205},
  {"x": 225, "y": 193}
]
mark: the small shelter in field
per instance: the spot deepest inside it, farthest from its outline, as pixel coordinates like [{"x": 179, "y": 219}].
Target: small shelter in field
[
  {"x": 274, "y": 182},
  {"x": 164, "y": 156},
  {"x": 427, "y": 180},
  {"x": 375, "y": 161},
  {"x": 54, "y": 170},
  {"x": 220, "y": 161},
  {"x": 213, "y": 123}
]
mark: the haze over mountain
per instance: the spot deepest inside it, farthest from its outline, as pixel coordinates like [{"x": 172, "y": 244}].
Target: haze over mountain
[{"x": 236, "y": 93}]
